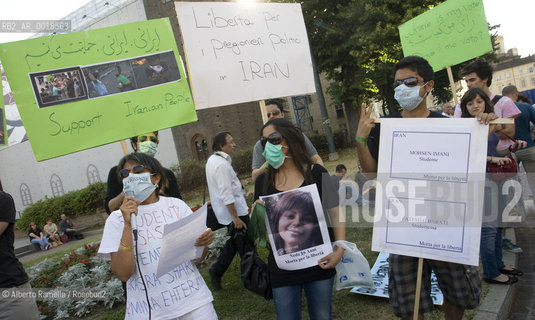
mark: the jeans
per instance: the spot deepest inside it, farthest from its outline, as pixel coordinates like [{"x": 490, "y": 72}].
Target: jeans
[
  {"x": 319, "y": 300},
  {"x": 491, "y": 252},
  {"x": 40, "y": 242}
]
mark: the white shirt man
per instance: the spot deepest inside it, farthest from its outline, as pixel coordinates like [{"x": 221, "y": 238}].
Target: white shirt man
[{"x": 227, "y": 199}]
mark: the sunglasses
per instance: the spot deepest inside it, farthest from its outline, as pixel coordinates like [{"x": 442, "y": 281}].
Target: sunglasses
[
  {"x": 274, "y": 113},
  {"x": 409, "y": 82},
  {"x": 136, "y": 169},
  {"x": 145, "y": 138},
  {"x": 274, "y": 138}
]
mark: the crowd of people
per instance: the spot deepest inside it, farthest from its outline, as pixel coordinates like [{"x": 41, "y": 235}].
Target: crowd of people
[
  {"x": 60, "y": 86},
  {"x": 284, "y": 159}
]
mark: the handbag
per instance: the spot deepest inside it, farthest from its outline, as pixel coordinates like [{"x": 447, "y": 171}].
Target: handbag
[
  {"x": 506, "y": 171},
  {"x": 254, "y": 272}
]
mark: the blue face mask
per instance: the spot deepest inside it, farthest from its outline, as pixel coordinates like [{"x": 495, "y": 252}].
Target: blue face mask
[
  {"x": 138, "y": 185},
  {"x": 148, "y": 147},
  {"x": 273, "y": 154}
]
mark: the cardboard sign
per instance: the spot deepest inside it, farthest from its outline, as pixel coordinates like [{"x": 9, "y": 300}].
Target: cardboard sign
[
  {"x": 450, "y": 33},
  {"x": 3, "y": 131},
  {"x": 431, "y": 173},
  {"x": 240, "y": 52},
  {"x": 80, "y": 90}
]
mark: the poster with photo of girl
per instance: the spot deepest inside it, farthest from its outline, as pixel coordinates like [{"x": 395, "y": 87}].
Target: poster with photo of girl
[{"x": 297, "y": 228}]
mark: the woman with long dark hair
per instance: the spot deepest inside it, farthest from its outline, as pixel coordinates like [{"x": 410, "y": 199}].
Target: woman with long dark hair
[
  {"x": 149, "y": 297},
  {"x": 290, "y": 168},
  {"x": 474, "y": 102}
]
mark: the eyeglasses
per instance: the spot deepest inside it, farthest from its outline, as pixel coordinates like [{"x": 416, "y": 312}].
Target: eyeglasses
[
  {"x": 274, "y": 113},
  {"x": 145, "y": 138},
  {"x": 136, "y": 169},
  {"x": 409, "y": 82},
  {"x": 273, "y": 138}
]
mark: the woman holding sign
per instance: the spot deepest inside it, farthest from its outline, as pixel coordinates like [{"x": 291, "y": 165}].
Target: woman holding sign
[
  {"x": 290, "y": 168},
  {"x": 475, "y": 102},
  {"x": 179, "y": 293}
]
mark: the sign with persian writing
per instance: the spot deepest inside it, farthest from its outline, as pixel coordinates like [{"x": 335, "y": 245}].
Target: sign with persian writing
[
  {"x": 450, "y": 33},
  {"x": 80, "y": 90}
]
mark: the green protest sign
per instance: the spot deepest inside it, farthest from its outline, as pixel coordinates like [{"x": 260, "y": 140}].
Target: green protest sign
[
  {"x": 80, "y": 90},
  {"x": 451, "y": 33}
]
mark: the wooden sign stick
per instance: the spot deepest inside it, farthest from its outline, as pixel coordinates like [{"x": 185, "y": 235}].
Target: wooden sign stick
[
  {"x": 418, "y": 287},
  {"x": 452, "y": 85}
]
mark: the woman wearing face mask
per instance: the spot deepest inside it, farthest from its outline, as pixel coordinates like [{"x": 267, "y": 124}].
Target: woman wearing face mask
[
  {"x": 290, "y": 168},
  {"x": 146, "y": 143},
  {"x": 294, "y": 224},
  {"x": 142, "y": 177},
  {"x": 474, "y": 102}
]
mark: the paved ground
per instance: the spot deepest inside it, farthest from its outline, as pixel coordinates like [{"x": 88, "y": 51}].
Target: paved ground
[{"x": 524, "y": 303}]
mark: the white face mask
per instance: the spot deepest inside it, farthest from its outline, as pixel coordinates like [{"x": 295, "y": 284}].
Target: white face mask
[
  {"x": 408, "y": 97},
  {"x": 139, "y": 185}
]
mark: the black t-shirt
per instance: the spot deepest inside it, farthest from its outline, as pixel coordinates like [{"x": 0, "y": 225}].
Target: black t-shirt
[
  {"x": 329, "y": 199},
  {"x": 115, "y": 186},
  {"x": 373, "y": 138},
  {"x": 12, "y": 272},
  {"x": 37, "y": 232}
]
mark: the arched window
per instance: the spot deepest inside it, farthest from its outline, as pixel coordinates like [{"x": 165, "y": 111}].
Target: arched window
[
  {"x": 56, "y": 185},
  {"x": 92, "y": 174},
  {"x": 199, "y": 147},
  {"x": 25, "y": 195}
]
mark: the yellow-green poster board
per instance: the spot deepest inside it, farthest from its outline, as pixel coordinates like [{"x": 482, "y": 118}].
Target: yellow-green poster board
[
  {"x": 84, "y": 89},
  {"x": 450, "y": 33}
]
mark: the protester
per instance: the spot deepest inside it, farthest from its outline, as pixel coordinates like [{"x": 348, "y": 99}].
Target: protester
[
  {"x": 294, "y": 223},
  {"x": 12, "y": 274},
  {"x": 148, "y": 144},
  {"x": 290, "y": 168},
  {"x": 525, "y": 156},
  {"x": 227, "y": 200},
  {"x": 36, "y": 236},
  {"x": 274, "y": 109},
  {"x": 524, "y": 99},
  {"x": 474, "y": 102},
  {"x": 51, "y": 231},
  {"x": 67, "y": 227},
  {"x": 180, "y": 293},
  {"x": 447, "y": 110},
  {"x": 339, "y": 174},
  {"x": 460, "y": 284}
]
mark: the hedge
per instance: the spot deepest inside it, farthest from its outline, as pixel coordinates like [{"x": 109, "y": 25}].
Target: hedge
[
  {"x": 75, "y": 203},
  {"x": 191, "y": 176}
]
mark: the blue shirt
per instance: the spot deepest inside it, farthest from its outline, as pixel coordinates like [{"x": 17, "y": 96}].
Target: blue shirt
[{"x": 522, "y": 130}]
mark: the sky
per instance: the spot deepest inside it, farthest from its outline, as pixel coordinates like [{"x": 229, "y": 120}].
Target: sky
[{"x": 514, "y": 16}]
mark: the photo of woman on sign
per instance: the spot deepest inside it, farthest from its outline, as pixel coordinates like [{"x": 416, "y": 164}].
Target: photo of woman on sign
[{"x": 294, "y": 223}]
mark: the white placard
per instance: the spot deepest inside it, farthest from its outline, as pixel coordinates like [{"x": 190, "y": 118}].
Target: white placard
[
  {"x": 179, "y": 239},
  {"x": 380, "y": 280},
  {"x": 240, "y": 52},
  {"x": 297, "y": 228},
  {"x": 429, "y": 200}
]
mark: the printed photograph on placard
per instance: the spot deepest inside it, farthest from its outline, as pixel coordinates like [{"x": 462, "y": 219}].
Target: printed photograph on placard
[
  {"x": 58, "y": 86},
  {"x": 296, "y": 228},
  {"x": 155, "y": 69}
]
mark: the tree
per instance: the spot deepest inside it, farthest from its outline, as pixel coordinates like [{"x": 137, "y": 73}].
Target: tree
[{"x": 356, "y": 43}]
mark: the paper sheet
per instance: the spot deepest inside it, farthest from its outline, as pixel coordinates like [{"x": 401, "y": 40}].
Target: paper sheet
[{"x": 178, "y": 241}]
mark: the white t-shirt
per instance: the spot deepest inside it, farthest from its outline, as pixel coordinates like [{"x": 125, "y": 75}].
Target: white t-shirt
[{"x": 172, "y": 295}]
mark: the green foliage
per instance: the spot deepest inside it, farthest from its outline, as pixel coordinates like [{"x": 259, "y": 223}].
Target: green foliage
[
  {"x": 80, "y": 269},
  {"x": 75, "y": 203},
  {"x": 242, "y": 160},
  {"x": 191, "y": 173},
  {"x": 340, "y": 138}
]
